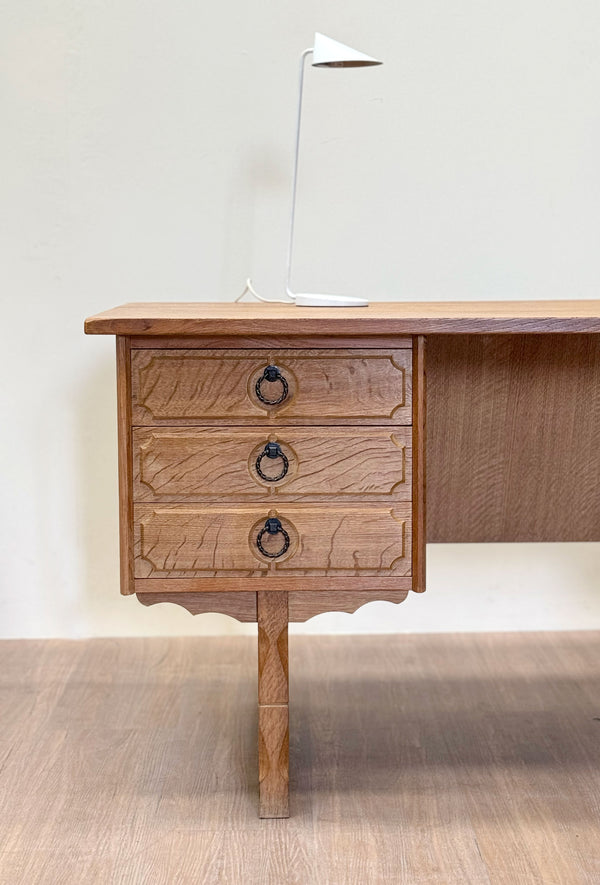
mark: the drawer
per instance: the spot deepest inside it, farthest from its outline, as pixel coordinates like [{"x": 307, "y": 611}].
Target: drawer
[
  {"x": 370, "y": 386},
  {"x": 194, "y": 464},
  {"x": 256, "y": 541}
]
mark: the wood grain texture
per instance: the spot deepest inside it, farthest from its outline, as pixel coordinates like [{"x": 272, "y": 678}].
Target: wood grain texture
[
  {"x": 195, "y": 464},
  {"x": 302, "y": 606},
  {"x": 273, "y": 760},
  {"x": 272, "y": 648},
  {"x": 300, "y": 584},
  {"x": 212, "y": 386},
  {"x": 241, "y": 606},
  {"x": 513, "y": 451},
  {"x": 273, "y": 700},
  {"x": 354, "y": 540},
  {"x": 418, "y": 479},
  {"x": 434, "y": 759},
  {"x": 388, "y": 318},
  {"x": 125, "y": 465},
  {"x": 312, "y": 342}
]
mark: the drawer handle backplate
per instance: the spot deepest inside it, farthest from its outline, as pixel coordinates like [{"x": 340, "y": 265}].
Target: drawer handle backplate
[
  {"x": 272, "y": 450},
  {"x": 272, "y": 373},
  {"x": 273, "y": 527}
]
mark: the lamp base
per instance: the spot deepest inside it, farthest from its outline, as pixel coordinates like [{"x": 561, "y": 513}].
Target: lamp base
[{"x": 312, "y": 299}]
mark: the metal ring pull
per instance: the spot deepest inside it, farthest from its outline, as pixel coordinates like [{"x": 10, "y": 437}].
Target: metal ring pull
[
  {"x": 272, "y": 373},
  {"x": 272, "y": 450},
  {"x": 272, "y": 527}
]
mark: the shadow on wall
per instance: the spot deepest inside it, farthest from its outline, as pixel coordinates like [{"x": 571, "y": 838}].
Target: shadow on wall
[{"x": 103, "y": 610}]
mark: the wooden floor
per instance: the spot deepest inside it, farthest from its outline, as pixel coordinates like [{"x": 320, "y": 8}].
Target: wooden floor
[{"x": 415, "y": 759}]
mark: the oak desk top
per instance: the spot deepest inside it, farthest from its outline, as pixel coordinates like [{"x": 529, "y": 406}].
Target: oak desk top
[{"x": 388, "y": 318}]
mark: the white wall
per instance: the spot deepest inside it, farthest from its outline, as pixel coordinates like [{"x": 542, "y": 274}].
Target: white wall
[{"x": 145, "y": 155}]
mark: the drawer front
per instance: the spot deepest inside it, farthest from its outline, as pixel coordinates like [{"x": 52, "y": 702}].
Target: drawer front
[
  {"x": 195, "y": 464},
  {"x": 254, "y": 541},
  {"x": 271, "y": 386}
]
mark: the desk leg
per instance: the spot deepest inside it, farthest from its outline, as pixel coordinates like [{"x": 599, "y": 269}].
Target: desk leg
[{"x": 273, "y": 699}]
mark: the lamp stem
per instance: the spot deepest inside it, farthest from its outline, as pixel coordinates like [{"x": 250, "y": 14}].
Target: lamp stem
[{"x": 295, "y": 176}]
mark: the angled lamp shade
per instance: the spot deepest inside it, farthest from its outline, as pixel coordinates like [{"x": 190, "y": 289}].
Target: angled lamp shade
[{"x": 328, "y": 53}]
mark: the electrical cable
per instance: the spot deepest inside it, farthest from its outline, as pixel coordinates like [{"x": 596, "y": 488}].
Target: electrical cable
[{"x": 250, "y": 288}]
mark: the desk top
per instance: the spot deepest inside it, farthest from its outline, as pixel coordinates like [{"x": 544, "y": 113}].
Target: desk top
[{"x": 387, "y": 318}]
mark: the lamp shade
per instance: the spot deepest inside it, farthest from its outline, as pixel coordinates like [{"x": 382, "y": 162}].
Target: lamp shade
[{"x": 328, "y": 53}]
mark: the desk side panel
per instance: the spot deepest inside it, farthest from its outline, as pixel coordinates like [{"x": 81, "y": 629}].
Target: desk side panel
[
  {"x": 125, "y": 464},
  {"x": 513, "y": 443},
  {"x": 419, "y": 454}
]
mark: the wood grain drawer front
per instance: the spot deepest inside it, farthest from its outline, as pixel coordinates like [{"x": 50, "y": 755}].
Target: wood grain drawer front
[
  {"x": 195, "y": 464},
  {"x": 313, "y": 386},
  {"x": 196, "y": 541}
]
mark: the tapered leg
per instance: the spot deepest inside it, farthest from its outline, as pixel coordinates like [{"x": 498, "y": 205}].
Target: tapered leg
[{"x": 273, "y": 709}]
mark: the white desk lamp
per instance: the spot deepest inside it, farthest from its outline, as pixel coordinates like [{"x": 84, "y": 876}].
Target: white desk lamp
[{"x": 326, "y": 53}]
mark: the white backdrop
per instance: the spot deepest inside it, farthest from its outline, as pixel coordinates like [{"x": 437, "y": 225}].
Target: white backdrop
[{"x": 146, "y": 155}]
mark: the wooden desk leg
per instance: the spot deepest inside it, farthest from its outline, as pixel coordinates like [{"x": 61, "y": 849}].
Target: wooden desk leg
[{"x": 273, "y": 700}]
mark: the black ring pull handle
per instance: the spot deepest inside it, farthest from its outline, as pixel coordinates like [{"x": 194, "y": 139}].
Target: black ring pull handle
[
  {"x": 273, "y": 527},
  {"x": 271, "y": 373},
  {"x": 272, "y": 450}
]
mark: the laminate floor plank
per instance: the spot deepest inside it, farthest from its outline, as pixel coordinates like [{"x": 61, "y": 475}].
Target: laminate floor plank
[{"x": 414, "y": 759}]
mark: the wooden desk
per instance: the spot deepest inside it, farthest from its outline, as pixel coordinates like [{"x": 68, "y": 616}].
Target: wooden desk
[{"x": 272, "y": 458}]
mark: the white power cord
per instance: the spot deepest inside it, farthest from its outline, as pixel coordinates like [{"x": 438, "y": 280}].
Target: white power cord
[
  {"x": 307, "y": 299},
  {"x": 250, "y": 288}
]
